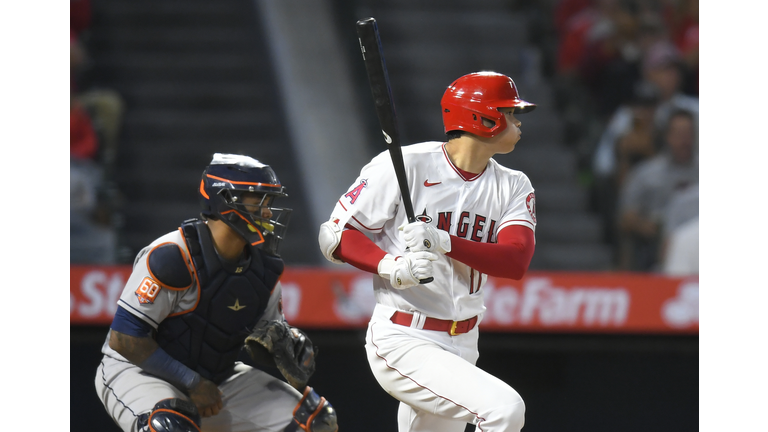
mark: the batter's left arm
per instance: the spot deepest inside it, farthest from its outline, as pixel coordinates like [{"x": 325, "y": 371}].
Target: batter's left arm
[{"x": 508, "y": 258}]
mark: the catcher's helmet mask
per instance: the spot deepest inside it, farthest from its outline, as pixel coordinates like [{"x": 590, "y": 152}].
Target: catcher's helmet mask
[
  {"x": 225, "y": 188},
  {"x": 476, "y": 97}
]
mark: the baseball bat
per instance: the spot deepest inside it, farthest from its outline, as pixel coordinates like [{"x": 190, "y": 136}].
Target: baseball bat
[{"x": 376, "y": 68}]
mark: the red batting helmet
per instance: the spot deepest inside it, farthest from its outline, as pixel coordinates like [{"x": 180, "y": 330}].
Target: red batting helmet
[{"x": 479, "y": 95}]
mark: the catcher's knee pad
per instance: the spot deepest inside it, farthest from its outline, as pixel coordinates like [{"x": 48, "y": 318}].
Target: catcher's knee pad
[
  {"x": 313, "y": 414},
  {"x": 173, "y": 415}
]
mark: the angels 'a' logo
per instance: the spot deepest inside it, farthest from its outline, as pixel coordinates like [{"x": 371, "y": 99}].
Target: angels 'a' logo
[
  {"x": 424, "y": 217},
  {"x": 355, "y": 193},
  {"x": 530, "y": 203}
]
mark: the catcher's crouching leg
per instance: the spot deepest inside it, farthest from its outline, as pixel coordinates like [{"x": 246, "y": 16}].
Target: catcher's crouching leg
[
  {"x": 313, "y": 414},
  {"x": 171, "y": 415}
]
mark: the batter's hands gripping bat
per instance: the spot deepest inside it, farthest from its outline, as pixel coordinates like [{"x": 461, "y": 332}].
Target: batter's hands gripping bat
[{"x": 375, "y": 66}]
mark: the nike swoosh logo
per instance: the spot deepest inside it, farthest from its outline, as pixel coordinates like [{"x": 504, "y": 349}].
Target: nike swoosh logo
[
  {"x": 387, "y": 138},
  {"x": 428, "y": 184}
]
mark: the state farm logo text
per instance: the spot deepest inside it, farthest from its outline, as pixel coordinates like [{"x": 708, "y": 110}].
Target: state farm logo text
[{"x": 540, "y": 302}]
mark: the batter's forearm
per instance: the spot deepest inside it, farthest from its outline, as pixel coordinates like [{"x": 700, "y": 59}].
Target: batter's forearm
[
  {"x": 509, "y": 258},
  {"x": 356, "y": 249}
]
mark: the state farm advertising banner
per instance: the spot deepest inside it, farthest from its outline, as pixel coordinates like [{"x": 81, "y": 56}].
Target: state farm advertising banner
[{"x": 318, "y": 298}]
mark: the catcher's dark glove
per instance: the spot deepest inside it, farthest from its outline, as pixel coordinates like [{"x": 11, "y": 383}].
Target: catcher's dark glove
[{"x": 290, "y": 349}]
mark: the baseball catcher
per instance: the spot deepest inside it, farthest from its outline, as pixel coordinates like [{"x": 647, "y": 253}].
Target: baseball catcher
[
  {"x": 276, "y": 343},
  {"x": 195, "y": 298}
]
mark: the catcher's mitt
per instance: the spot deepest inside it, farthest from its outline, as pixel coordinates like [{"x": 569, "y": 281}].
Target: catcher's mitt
[{"x": 290, "y": 349}]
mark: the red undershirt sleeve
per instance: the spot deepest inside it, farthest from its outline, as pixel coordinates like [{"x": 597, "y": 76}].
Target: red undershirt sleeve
[
  {"x": 508, "y": 258},
  {"x": 356, "y": 249}
]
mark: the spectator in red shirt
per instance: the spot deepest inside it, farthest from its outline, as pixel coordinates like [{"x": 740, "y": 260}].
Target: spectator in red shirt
[
  {"x": 79, "y": 16},
  {"x": 83, "y": 141},
  {"x": 685, "y": 34}
]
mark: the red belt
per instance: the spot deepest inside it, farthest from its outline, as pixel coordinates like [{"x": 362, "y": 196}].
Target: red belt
[{"x": 452, "y": 327}]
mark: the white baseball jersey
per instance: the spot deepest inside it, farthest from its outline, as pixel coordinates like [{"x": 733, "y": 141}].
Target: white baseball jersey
[{"x": 471, "y": 208}]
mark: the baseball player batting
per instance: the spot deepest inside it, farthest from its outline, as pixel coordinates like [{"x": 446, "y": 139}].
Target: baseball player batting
[
  {"x": 474, "y": 218},
  {"x": 196, "y": 297}
]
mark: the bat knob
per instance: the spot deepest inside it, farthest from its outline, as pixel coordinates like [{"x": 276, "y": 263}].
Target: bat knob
[{"x": 365, "y": 21}]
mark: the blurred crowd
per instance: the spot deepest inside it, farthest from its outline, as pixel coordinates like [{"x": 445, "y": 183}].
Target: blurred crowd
[
  {"x": 625, "y": 74},
  {"x": 625, "y": 80},
  {"x": 95, "y": 116}
]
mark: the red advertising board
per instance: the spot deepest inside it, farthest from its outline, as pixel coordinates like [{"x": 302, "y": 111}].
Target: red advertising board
[{"x": 318, "y": 298}]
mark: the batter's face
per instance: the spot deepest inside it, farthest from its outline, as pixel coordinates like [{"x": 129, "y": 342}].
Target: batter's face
[{"x": 505, "y": 142}]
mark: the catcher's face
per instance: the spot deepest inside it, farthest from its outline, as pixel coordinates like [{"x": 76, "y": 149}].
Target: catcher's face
[
  {"x": 257, "y": 205},
  {"x": 258, "y": 220}
]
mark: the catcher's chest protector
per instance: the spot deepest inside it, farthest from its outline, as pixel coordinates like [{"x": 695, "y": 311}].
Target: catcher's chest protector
[{"x": 208, "y": 338}]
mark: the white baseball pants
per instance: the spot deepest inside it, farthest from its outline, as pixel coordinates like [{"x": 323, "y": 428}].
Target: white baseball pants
[{"x": 433, "y": 375}]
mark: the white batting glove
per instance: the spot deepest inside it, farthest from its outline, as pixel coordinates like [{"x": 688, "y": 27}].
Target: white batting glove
[
  {"x": 406, "y": 271},
  {"x": 420, "y": 236}
]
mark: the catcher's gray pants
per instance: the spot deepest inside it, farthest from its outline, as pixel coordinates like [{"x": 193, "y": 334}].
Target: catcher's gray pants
[{"x": 253, "y": 400}]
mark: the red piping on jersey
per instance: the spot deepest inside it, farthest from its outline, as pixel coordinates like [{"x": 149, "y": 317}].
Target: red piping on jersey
[
  {"x": 509, "y": 222},
  {"x": 242, "y": 182},
  {"x": 152, "y": 274},
  {"x": 460, "y": 171},
  {"x": 192, "y": 264},
  {"x": 368, "y": 228},
  {"x": 477, "y": 416},
  {"x": 342, "y": 205}
]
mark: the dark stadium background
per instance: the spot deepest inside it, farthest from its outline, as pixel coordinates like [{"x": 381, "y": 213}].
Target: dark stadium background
[{"x": 215, "y": 63}]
